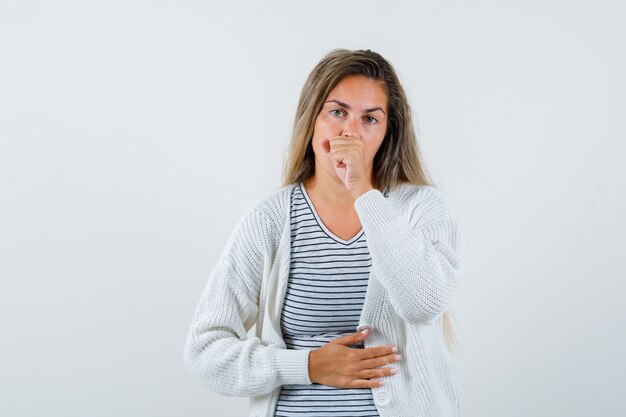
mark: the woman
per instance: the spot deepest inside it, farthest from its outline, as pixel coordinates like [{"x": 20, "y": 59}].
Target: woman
[{"x": 356, "y": 239}]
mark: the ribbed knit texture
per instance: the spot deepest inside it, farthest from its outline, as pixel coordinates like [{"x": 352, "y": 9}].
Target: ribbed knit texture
[{"x": 418, "y": 255}]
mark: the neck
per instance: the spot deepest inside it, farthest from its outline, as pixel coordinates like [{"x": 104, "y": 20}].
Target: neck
[{"x": 329, "y": 189}]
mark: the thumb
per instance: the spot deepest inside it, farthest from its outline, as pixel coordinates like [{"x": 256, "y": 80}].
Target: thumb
[
  {"x": 326, "y": 145},
  {"x": 351, "y": 338}
]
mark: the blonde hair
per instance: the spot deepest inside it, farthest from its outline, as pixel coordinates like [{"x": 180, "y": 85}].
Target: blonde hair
[{"x": 398, "y": 158}]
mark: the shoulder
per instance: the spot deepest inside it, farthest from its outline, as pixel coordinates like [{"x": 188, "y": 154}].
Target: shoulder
[
  {"x": 425, "y": 201},
  {"x": 272, "y": 206},
  {"x": 275, "y": 202},
  {"x": 408, "y": 193},
  {"x": 261, "y": 225}
]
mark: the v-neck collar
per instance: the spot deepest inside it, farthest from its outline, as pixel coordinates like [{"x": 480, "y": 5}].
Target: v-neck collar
[{"x": 321, "y": 223}]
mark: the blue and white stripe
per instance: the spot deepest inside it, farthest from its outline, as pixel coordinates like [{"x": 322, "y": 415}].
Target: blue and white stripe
[{"x": 327, "y": 283}]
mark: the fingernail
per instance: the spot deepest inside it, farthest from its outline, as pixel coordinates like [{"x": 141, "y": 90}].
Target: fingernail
[
  {"x": 393, "y": 371},
  {"x": 397, "y": 357},
  {"x": 365, "y": 331},
  {"x": 394, "y": 349}
]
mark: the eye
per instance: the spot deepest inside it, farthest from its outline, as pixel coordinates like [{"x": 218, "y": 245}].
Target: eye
[
  {"x": 336, "y": 112},
  {"x": 371, "y": 120}
]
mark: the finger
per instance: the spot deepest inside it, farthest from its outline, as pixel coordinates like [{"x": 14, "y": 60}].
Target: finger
[
  {"x": 345, "y": 138},
  {"x": 379, "y": 361},
  {"x": 373, "y": 352},
  {"x": 339, "y": 159},
  {"x": 351, "y": 338},
  {"x": 366, "y": 383},
  {"x": 351, "y": 146},
  {"x": 376, "y": 373},
  {"x": 346, "y": 144}
]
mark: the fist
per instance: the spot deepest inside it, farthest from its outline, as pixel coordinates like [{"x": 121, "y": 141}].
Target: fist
[{"x": 347, "y": 155}]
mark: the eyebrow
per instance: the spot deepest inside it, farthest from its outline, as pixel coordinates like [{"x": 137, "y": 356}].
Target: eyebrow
[{"x": 342, "y": 104}]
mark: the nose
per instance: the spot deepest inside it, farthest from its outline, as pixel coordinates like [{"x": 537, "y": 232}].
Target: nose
[{"x": 350, "y": 127}]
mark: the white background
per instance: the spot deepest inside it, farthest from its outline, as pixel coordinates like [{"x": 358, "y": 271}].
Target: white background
[{"x": 133, "y": 136}]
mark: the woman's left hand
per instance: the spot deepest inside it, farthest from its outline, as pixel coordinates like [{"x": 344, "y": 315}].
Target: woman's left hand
[{"x": 348, "y": 158}]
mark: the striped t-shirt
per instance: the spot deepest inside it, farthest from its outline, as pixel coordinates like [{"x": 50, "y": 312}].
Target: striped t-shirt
[{"x": 325, "y": 292}]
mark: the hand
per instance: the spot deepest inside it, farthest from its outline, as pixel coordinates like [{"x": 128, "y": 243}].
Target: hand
[
  {"x": 348, "y": 158},
  {"x": 337, "y": 365}
]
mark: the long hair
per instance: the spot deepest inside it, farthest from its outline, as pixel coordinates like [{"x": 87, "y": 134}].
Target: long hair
[{"x": 398, "y": 158}]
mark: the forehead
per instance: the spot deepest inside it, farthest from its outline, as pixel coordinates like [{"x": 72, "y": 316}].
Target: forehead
[{"x": 360, "y": 91}]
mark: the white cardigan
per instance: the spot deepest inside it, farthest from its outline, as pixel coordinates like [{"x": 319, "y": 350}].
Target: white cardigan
[{"x": 418, "y": 257}]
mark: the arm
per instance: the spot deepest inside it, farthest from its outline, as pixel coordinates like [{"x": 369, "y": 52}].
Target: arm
[
  {"x": 418, "y": 261},
  {"x": 218, "y": 349}
]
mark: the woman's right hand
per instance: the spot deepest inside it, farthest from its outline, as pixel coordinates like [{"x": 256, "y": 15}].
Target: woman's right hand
[{"x": 337, "y": 365}]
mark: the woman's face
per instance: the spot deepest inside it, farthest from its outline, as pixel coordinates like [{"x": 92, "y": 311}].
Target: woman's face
[{"x": 356, "y": 108}]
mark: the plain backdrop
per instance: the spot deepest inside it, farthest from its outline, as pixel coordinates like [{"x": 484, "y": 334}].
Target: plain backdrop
[{"x": 134, "y": 134}]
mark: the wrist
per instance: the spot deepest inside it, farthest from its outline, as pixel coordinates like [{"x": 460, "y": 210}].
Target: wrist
[{"x": 359, "y": 191}]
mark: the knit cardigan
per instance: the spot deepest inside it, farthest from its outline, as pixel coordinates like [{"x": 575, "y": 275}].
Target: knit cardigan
[{"x": 418, "y": 256}]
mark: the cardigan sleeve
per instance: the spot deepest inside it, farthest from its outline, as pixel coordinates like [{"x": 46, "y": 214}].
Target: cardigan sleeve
[
  {"x": 418, "y": 255},
  {"x": 218, "y": 349}
]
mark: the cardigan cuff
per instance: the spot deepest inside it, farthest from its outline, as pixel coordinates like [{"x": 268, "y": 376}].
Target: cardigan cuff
[
  {"x": 373, "y": 208},
  {"x": 292, "y": 365}
]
